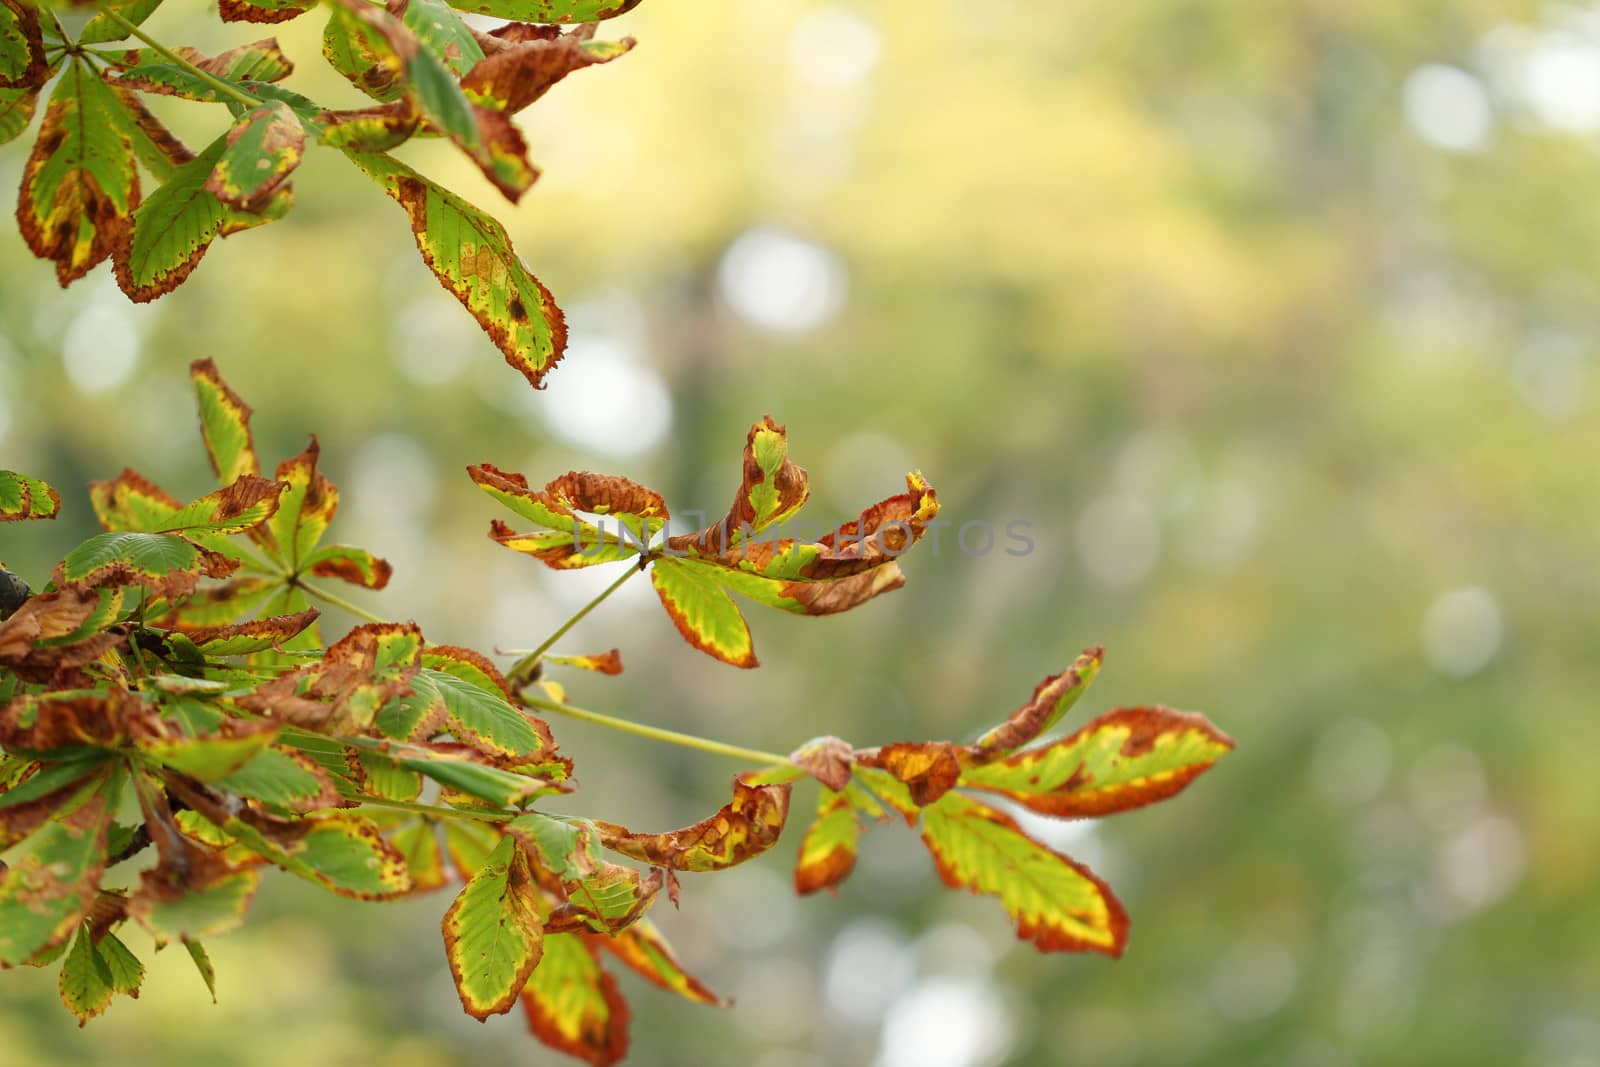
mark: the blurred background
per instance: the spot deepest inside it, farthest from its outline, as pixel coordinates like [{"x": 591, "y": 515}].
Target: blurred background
[{"x": 1276, "y": 321}]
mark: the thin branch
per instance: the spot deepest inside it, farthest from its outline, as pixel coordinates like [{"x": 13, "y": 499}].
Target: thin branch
[
  {"x": 523, "y": 669},
  {"x": 656, "y": 733},
  {"x": 339, "y": 602},
  {"x": 174, "y": 58}
]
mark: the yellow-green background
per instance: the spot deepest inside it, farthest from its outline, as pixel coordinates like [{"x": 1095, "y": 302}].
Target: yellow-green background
[{"x": 1280, "y": 336}]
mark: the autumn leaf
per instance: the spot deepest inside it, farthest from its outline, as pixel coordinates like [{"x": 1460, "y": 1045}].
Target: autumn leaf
[
  {"x": 703, "y": 612},
  {"x": 80, "y": 186},
  {"x": 16, "y": 112},
  {"x": 643, "y": 949},
  {"x": 609, "y": 662},
  {"x": 174, "y": 227},
  {"x": 473, "y": 258},
  {"x": 549, "y": 10},
  {"x": 694, "y": 573},
  {"x": 166, "y": 564},
  {"x": 1052, "y": 699},
  {"x": 224, "y": 424},
  {"x": 259, "y": 61},
  {"x": 509, "y": 76},
  {"x": 255, "y": 635},
  {"x": 828, "y": 850},
  {"x": 93, "y": 973},
  {"x": 102, "y": 30},
  {"x": 263, "y": 11},
  {"x": 743, "y": 829},
  {"x": 1122, "y": 760},
  {"x": 369, "y": 666},
  {"x": 493, "y": 934},
  {"x": 22, "y": 498},
  {"x": 573, "y": 1005},
  {"x": 47, "y": 889},
  {"x": 928, "y": 769},
  {"x": 565, "y": 853},
  {"x": 568, "y": 540},
  {"x": 1057, "y": 904},
  {"x": 22, "y": 58},
  {"x": 264, "y": 148}
]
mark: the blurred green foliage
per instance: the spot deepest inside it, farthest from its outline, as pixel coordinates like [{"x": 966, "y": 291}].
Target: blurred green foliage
[{"x": 1273, "y": 319}]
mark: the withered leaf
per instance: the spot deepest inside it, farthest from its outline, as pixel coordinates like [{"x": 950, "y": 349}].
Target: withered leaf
[{"x": 744, "y": 828}]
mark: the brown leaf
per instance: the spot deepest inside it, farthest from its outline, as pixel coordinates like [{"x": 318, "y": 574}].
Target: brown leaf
[
  {"x": 827, "y": 759},
  {"x": 929, "y": 769},
  {"x": 526, "y": 65},
  {"x": 21, "y": 20},
  {"x": 1041, "y": 710},
  {"x": 744, "y": 828},
  {"x": 349, "y": 684},
  {"x": 277, "y": 628}
]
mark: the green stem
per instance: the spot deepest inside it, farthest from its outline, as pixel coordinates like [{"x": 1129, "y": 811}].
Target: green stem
[
  {"x": 524, "y": 666},
  {"x": 655, "y": 733},
  {"x": 437, "y": 811},
  {"x": 339, "y": 602},
  {"x": 223, "y": 87}
]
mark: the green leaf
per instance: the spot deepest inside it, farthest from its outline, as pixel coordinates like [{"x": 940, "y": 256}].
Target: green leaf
[
  {"x": 213, "y": 758},
  {"x": 1122, "y": 760},
  {"x": 85, "y": 981},
  {"x": 22, "y": 497},
  {"x": 473, "y": 258},
  {"x": 498, "y": 787},
  {"x": 828, "y": 851},
  {"x": 100, "y": 29},
  {"x": 479, "y": 718},
  {"x": 549, "y": 11},
  {"x": 283, "y": 779},
  {"x": 703, "y": 613},
  {"x": 79, "y": 186},
  {"x": 207, "y": 910},
  {"x": 609, "y": 896},
  {"x": 260, "y": 61},
  {"x": 347, "y": 854},
  {"x": 443, "y": 33},
  {"x": 1057, "y": 904},
  {"x": 202, "y": 963},
  {"x": 574, "y": 1006},
  {"x": 493, "y": 933},
  {"x": 166, "y": 563},
  {"x": 127, "y": 973},
  {"x": 16, "y": 112},
  {"x": 173, "y": 228},
  {"x": 153, "y": 144},
  {"x": 418, "y": 842},
  {"x": 264, "y": 148},
  {"x": 224, "y": 424}
]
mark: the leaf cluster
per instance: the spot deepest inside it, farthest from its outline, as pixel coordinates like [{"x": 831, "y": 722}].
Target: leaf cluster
[{"x": 168, "y": 699}]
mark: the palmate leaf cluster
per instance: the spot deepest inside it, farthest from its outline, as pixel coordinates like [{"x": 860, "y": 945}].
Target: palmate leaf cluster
[
  {"x": 174, "y": 722},
  {"x": 107, "y": 180},
  {"x": 167, "y": 702}
]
